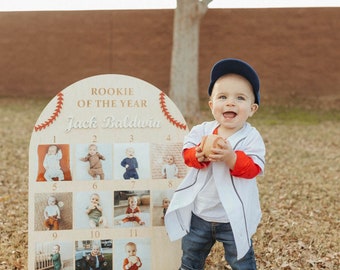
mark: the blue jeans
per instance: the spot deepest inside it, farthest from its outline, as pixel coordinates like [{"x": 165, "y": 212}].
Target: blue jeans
[{"x": 197, "y": 244}]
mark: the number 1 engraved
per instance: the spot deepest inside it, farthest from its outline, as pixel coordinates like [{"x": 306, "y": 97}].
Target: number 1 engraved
[{"x": 133, "y": 233}]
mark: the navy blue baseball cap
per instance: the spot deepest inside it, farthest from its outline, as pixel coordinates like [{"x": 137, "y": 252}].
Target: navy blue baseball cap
[{"x": 236, "y": 66}]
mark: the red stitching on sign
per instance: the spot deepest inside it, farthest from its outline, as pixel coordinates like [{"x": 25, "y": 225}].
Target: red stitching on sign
[
  {"x": 167, "y": 114},
  {"x": 55, "y": 114}
]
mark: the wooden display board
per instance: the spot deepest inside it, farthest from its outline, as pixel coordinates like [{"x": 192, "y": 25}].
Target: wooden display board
[{"x": 101, "y": 145}]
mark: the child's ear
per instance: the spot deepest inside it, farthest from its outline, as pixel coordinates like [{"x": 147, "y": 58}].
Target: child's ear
[
  {"x": 210, "y": 103},
  {"x": 253, "y": 109}
]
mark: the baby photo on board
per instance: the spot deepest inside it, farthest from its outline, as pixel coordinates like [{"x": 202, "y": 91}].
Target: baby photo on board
[
  {"x": 132, "y": 253},
  {"x": 131, "y": 161},
  {"x": 54, "y": 255},
  {"x": 53, "y": 211},
  {"x": 160, "y": 203},
  {"x": 93, "y": 161},
  {"x": 167, "y": 161},
  {"x": 93, "y": 210},
  {"x": 169, "y": 168},
  {"x": 53, "y": 163},
  {"x": 93, "y": 254},
  {"x": 131, "y": 208}
]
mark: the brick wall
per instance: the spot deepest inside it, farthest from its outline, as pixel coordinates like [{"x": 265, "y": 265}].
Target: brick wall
[{"x": 294, "y": 50}]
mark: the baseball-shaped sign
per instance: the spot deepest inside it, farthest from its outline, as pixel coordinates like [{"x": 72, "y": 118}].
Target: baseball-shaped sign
[{"x": 105, "y": 156}]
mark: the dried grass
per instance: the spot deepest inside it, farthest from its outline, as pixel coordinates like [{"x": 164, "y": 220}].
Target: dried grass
[{"x": 299, "y": 192}]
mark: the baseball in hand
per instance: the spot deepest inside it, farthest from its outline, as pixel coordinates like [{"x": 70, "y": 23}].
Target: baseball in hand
[{"x": 210, "y": 141}]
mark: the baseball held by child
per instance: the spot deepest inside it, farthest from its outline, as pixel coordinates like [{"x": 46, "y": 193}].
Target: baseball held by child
[{"x": 218, "y": 199}]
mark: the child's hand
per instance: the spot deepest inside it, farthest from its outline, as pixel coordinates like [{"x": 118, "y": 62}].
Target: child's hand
[
  {"x": 223, "y": 153},
  {"x": 200, "y": 155},
  {"x": 133, "y": 259}
]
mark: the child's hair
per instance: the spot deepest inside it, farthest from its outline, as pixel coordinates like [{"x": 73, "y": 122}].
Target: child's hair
[
  {"x": 50, "y": 197},
  {"x": 94, "y": 194},
  {"x": 53, "y": 145},
  {"x": 130, "y": 149},
  {"x": 97, "y": 247},
  {"x": 58, "y": 246},
  {"x": 131, "y": 244},
  {"x": 93, "y": 145}
]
